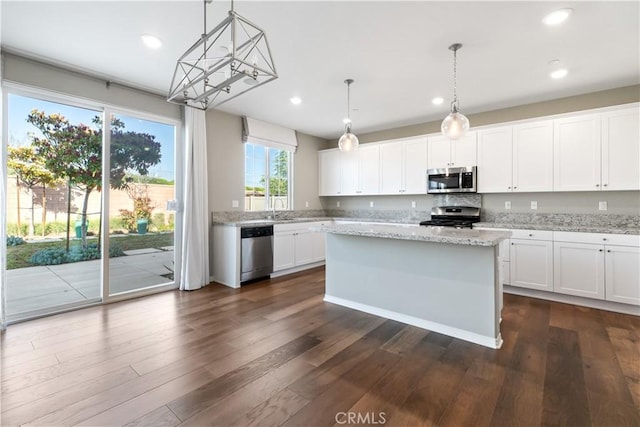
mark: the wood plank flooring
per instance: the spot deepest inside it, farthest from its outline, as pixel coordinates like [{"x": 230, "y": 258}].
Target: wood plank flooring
[{"x": 273, "y": 353}]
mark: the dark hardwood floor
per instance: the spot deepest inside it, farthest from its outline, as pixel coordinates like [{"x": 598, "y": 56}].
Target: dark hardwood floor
[{"x": 273, "y": 353}]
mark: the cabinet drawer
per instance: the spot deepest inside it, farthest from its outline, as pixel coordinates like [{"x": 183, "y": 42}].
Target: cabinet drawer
[
  {"x": 532, "y": 234},
  {"x": 597, "y": 238}
]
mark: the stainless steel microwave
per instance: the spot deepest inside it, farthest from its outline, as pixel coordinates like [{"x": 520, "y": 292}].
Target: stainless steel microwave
[{"x": 452, "y": 180}]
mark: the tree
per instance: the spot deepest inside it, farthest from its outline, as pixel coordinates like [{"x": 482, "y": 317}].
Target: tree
[
  {"x": 74, "y": 152},
  {"x": 30, "y": 170}
]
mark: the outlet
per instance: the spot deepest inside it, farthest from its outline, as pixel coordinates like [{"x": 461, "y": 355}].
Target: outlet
[
  {"x": 413, "y": 204},
  {"x": 338, "y": 204},
  {"x": 534, "y": 204},
  {"x": 371, "y": 204},
  {"x": 602, "y": 206},
  {"x": 507, "y": 205},
  {"x": 306, "y": 204},
  {"x": 235, "y": 204}
]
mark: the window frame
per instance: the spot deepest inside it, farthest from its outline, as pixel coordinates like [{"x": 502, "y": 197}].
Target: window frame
[{"x": 267, "y": 166}]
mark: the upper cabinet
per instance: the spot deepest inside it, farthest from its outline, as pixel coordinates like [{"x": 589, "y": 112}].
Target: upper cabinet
[
  {"x": 350, "y": 173},
  {"x": 576, "y": 147},
  {"x": 516, "y": 158},
  {"x": 595, "y": 152},
  {"x": 621, "y": 149},
  {"x": 444, "y": 152},
  {"x": 591, "y": 151},
  {"x": 403, "y": 166}
]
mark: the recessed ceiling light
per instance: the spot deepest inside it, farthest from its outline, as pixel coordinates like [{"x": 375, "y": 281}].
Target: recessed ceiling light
[
  {"x": 295, "y": 100},
  {"x": 152, "y": 42},
  {"x": 559, "y": 73},
  {"x": 438, "y": 100},
  {"x": 557, "y": 17}
]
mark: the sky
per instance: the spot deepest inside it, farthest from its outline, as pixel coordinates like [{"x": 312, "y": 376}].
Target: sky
[{"x": 19, "y": 129}]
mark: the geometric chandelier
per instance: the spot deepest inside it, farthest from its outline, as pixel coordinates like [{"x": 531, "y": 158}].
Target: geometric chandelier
[{"x": 231, "y": 59}]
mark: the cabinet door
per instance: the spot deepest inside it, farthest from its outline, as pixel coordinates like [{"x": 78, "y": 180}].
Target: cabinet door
[
  {"x": 330, "y": 172},
  {"x": 349, "y": 173},
  {"x": 621, "y": 150},
  {"x": 464, "y": 151},
  {"x": 414, "y": 154},
  {"x": 531, "y": 264},
  {"x": 303, "y": 245},
  {"x": 576, "y": 145},
  {"x": 318, "y": 246},
  {"x": 439, "y": 152},
  {"x": 391, "y": 168},
  {"x": 369, "y": 169},
  {"x": 578, "y": 269},
  {"x": 495, "y": 160},
  {"x": 283, "y": 250},
  {"x": 622, "y": 267},
  {"x": 533, "y": 157}
]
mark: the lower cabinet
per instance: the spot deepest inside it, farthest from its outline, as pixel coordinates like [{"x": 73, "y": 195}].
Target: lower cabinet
[
  {"x": 295, "y": 245},
  {"x": 531, "y": 260},
  {"x": 578, "y": 269},
  {"x": 622, "y": 274}
]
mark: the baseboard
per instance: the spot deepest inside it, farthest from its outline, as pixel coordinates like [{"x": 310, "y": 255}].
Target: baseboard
[
  {"x": 571, "y": 299},
  {"x": 420, "y": 323},
  {"x": 296, "y": 269}
]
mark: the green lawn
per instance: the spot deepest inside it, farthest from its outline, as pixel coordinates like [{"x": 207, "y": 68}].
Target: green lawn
[{"x": 18, "y": 256}]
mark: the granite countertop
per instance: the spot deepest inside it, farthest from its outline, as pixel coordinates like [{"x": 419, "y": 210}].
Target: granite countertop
[
  {"x": 415, "y": 232},
  {"x": 251, "y": 222},
  {"x": 579, "y": 228}
]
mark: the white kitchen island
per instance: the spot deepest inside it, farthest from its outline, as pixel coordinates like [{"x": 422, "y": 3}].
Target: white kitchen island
[{"x": 441, "y": 279}]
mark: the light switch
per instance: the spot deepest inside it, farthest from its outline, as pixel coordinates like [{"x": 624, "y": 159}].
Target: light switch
[
  {"x": 235, "y": 204},
  {"x": 534, "y": 204},
  {"x": 371, "y": 204},
  {"x": 507, "y": 205},
  {"x": 602, "y": 205},
  {"x": 413, "y": 204},
  {"x": 306, "y": 204},
  {"x": 338, "y": 204}
]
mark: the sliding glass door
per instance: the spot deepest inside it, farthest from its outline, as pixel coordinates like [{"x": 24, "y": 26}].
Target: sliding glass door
[{"x": 77, "y": 236}]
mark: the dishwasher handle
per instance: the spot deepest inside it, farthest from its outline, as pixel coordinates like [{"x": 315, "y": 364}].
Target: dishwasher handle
[{"x": 259, "y": 231}]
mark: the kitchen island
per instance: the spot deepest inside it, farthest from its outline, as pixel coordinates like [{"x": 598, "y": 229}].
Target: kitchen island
[{"x": 441, "y": 279}]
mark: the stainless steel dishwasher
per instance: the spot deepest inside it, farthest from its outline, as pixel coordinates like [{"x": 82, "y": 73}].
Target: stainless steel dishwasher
[{"x": 256, "y": 252}]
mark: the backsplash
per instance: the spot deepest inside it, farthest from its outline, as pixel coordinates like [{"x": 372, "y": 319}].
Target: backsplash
[
  {"x": 397, "y": 215},
  {"x": 231, "y": 216},
  {"x": 458, "y": 199},
  {"x": 583, "y": 220}
]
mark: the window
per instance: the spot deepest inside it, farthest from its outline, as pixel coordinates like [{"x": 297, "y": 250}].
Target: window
[{"x": 266, "y": 178}]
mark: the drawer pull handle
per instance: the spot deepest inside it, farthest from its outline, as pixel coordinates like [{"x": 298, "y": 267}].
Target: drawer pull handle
[
  {"x": 604, "y": 238},
  {"x": 597, "y": 185},
  {"x": 530, "y": 235},
  {"x": 600, "y": 250},
  {"x": 509, "y": 187},
  {"x": 604, "y": 185},
  {"x": 515, "y": 187},
  {"x": 609, "y": 250}
]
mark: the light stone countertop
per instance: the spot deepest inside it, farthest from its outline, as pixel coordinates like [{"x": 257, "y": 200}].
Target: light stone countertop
[
  {"x": 555, "y": 227},
  {"x": 257, "y": 222},
  {"x": 415, "y": 232}
]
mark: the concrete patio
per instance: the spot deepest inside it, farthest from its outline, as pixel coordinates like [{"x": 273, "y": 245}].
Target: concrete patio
[{"x": 36, "y": 288}]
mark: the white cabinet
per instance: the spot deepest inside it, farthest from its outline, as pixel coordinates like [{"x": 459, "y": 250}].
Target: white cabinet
[
  {"x": 622, "y": 274},
  {"x": 601, "y": 266},
  {"x": 444, "y": 153},
  {"x": 531, "y": 259},
  {"x": 533, "y": 157},
  {"x": 494, "y": 160},
  {"x": 295, "y": 245},
  {"x": 349, "y": 173},
  {"x": 577, "y": 153},
  {"x": 403, "y": 166},
  {"x": 578, "y": 269},
  {"x": 621, "y": 149},
  {"x": 330, "y": 171}
]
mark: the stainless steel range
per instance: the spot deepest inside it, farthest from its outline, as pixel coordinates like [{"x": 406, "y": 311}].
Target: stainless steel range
[{"x": 453, "y": 216}]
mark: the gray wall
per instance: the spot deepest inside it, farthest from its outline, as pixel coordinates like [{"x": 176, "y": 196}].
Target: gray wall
[
  {"x": 226, "y": 165},
  {"x": 29, "y": 72},
  {"x": 619, "y": 202}
]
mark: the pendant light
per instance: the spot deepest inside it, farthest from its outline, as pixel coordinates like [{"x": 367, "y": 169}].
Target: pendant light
[
  {"x": 348, "y": 141},
  {"x": 455, "y": 125}
]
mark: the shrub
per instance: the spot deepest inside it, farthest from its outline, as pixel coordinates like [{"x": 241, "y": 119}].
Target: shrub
[
  {"x": 15, "y": 241},
  {"x": 12, "y": 229},
  {"x": 55, "y": 256}
]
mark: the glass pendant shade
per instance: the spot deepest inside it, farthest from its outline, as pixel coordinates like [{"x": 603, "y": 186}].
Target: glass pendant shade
[
  {"x": 348, "y": 141},
  {"x": 455, "y": 125}
]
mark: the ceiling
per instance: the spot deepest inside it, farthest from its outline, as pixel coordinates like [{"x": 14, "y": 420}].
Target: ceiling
[{"x": 395, "y": 51}]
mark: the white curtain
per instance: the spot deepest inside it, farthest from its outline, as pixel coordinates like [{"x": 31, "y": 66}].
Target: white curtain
[
  {"x": 3, "y": 223},
  {"x": 195, "y": 230}
]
